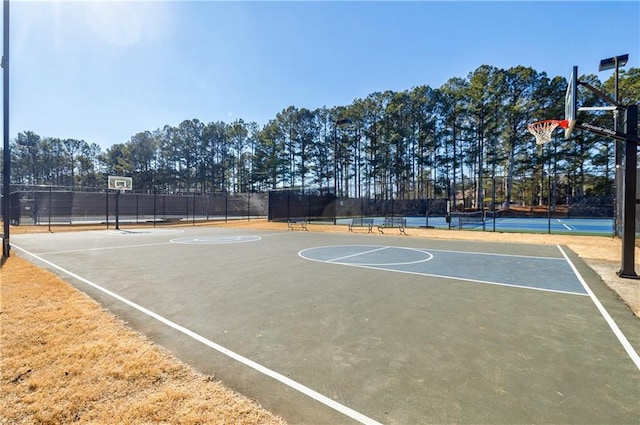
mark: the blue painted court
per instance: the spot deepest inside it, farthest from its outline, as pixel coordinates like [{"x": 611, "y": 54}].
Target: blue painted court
[
  {"x": 540, "y": 273},
  {"x": 578, "y": 226}
]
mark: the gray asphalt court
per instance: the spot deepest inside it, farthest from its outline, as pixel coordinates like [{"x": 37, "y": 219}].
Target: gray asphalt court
[{"x": 326, "y": 328}]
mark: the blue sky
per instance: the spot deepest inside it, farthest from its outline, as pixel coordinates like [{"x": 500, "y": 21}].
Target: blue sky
[{"x": 103, "y": 71}]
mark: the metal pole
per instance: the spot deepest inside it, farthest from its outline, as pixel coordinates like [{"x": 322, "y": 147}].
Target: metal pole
[
  {"x": 548, "y": 190},
  {"x": 335, "y": 171},
  {"x": 630, "y": 184},
  {"x": 336, "y": 123},
  {"x": 289, "y": 217},
  {"x": 618, "y": 148},
  {"x": 49, "y": 208},
  {"x": 106, "y": 211},
  {"x": 155, "y": 195},
  {"x": 618, "y": 159},
  {"x": 493, "y": 202},
  {"x": 6, "y": 170},
  {"x": 118, "y": 210}
]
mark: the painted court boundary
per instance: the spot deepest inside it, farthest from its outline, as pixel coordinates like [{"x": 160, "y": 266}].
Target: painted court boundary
[
  {"x": 300, "y": 387},
  {"x": 384, "y": 267},
  {"x": 605, "y": 314},
  {"x": 235, "y": 356}
]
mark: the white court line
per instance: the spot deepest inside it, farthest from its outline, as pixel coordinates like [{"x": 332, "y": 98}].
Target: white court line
[
  {"x": 215, "y": 239},
  {"x": 428, "y": 257},
  {"x": 133, "y": 232},
  {"x": 565, "y": 225},
  {"x": 103, "y": 248},
  {"x": 385, "y": 268},
  {"x": 463, "y": 279},
  {"x": 357, "y": 254},
  {"x": 235, "y": 356},
  {"x": 605, "y": 314},
  {"x": 493, "y": 254}
]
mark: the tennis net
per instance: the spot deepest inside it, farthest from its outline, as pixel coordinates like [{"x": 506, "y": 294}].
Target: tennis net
[{"x": 468, "y": 219}]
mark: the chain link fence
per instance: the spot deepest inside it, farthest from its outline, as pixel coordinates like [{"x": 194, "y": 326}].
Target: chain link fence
[
  {"x": 290, "y": 204},
  {"x": 55, "y": 206}
]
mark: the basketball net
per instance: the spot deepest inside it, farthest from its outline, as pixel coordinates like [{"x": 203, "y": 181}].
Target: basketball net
[{"x": 543, "y": 130}]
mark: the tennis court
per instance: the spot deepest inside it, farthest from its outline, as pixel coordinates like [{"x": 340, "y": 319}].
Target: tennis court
[
  {"x": 326, "y": 328},
  {"x": 577, "y": 226}
]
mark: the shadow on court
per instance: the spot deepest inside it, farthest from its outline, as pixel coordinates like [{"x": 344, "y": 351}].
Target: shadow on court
[{"x": 329, "y": 328}]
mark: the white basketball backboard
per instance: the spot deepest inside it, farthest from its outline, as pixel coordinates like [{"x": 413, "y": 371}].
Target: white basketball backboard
[
  {"x": 571, "y": 102},
  {"x": 120, "y": 183}
]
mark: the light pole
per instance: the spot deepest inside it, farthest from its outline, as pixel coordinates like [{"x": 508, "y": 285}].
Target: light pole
[
  {"x": 615, "y": 63},
  {"x": 337, "y": 123},
  {"x": 6, "y": 169}
]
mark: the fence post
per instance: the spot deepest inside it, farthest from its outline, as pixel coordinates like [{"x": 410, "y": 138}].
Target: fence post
[
  {"x": 118, "y": 210},
  {"x": 155, "y": 195},
  {"x": 106, "y": 191},
  {"x": 49, "y": 207}
]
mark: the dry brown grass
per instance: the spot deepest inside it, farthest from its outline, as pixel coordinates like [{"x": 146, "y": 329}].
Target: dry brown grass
[{"x": 65, "y": 359}]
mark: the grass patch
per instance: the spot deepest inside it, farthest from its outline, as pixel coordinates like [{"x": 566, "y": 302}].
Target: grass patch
[{"x": 65, "y": 359}]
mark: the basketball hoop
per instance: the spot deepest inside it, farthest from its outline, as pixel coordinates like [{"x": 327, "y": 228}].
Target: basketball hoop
[
  {"x": 543, "y": 130},
  {"x": 120, "y": 184}
]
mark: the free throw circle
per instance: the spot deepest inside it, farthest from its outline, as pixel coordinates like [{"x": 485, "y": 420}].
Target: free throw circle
[{"x": 366, "y": 255}]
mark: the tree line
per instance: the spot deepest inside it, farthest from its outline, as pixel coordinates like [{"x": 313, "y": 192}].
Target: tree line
[{"x": 465, "y": 141}]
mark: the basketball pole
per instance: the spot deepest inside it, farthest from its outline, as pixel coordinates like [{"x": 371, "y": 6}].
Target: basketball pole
[
  {"x": 631, "y": 142},
  {"x": 630, "y": 186}
]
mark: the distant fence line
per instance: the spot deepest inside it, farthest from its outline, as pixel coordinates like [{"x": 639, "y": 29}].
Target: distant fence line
[
  {"x": 73, "y": 207},
  {"x": 42, "y": 205},
  {"x": 289, "y": 204},
  {"x": 286, "y": 204}
]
